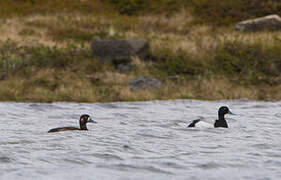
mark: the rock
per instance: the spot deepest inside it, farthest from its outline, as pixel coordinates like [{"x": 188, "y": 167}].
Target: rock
[
  {"x": 119, "y": 50},
  {"x": 124, "y": 67},
  {"x": 144, "y": 83},
  {"x": 271, "y": 22}
]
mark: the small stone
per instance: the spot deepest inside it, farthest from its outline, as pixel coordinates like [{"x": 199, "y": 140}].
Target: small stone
[
  {"x": 144, "y": 83},
  {"x": 125, "y": 67}
]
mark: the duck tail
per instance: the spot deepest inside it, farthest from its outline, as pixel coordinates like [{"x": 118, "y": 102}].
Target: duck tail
[{"x": 193, "y": 123}]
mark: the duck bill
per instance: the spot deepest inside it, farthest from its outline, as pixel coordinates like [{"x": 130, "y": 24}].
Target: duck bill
[
  {"x": 229, "y": 112},
  {"x": 92, "y": 121}
]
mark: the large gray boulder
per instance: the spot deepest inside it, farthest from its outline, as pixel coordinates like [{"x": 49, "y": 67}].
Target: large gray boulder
[
  {"x": 119, "y": 50},
  {"x": 271, "y": 22},
  {"x": 144, "y": 83}
]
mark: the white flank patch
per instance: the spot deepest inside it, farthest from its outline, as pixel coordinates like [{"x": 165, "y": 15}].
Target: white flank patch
[{"x": 202, "y": 124}]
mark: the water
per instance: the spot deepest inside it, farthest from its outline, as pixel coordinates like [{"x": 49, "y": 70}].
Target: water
[{"x": 140, "y": 140}]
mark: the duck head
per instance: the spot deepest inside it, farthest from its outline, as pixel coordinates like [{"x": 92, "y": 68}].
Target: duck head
[
  {"x": 224, "y": 110},
  {"x": 84, "y": 119}
]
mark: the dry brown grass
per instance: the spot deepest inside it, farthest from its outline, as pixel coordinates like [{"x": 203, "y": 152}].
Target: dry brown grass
[
  {"x": 12, "y": 28},
  {"x": 174, "y": 33},
  {"x": 211, "y": 89}
]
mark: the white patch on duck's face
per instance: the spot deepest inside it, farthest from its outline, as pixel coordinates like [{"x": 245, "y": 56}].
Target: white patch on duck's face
[{"x": 89, "y": 119}]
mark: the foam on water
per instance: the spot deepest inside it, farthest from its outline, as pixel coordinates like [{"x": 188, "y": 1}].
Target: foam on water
[{"x": 140, "y": 140}]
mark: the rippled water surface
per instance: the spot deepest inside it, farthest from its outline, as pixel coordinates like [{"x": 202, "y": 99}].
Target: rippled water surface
[{"x": 140, "y": 140}]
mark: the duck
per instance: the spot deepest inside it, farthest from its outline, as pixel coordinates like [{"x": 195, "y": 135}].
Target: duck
[
  {"x": 84, "y": 119},
  {"x": 221, "y": 122}
]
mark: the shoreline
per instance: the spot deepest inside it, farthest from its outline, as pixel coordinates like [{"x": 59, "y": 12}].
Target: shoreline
[{"x": 144, "y": 101}]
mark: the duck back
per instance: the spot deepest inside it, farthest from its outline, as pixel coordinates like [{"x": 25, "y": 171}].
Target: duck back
[{"x": 63, "y": 129}]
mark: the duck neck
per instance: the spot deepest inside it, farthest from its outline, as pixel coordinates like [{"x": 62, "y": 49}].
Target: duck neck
[
  {"x": 83, "y": 126},
  {"x": 221, "y": 122},
  {"x": 221, "y": 117}
]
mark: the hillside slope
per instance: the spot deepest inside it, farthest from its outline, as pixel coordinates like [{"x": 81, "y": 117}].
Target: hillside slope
[{"x": 45, "y": 50}]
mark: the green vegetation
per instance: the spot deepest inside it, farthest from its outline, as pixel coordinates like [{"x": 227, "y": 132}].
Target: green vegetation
[
  {"x": 243, "y": 63},
  {"x": 216, "y": 12},
  {"x": 33, "y": 7},
  {"x": 45, "y": 50},
  {"x": 134, "y": 7},
  {"x": 251, "y": 62},
  {"x": 228, "y": 11}
]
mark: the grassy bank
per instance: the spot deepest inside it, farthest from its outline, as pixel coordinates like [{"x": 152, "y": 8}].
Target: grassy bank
[{"x": 45, "y": 53}]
